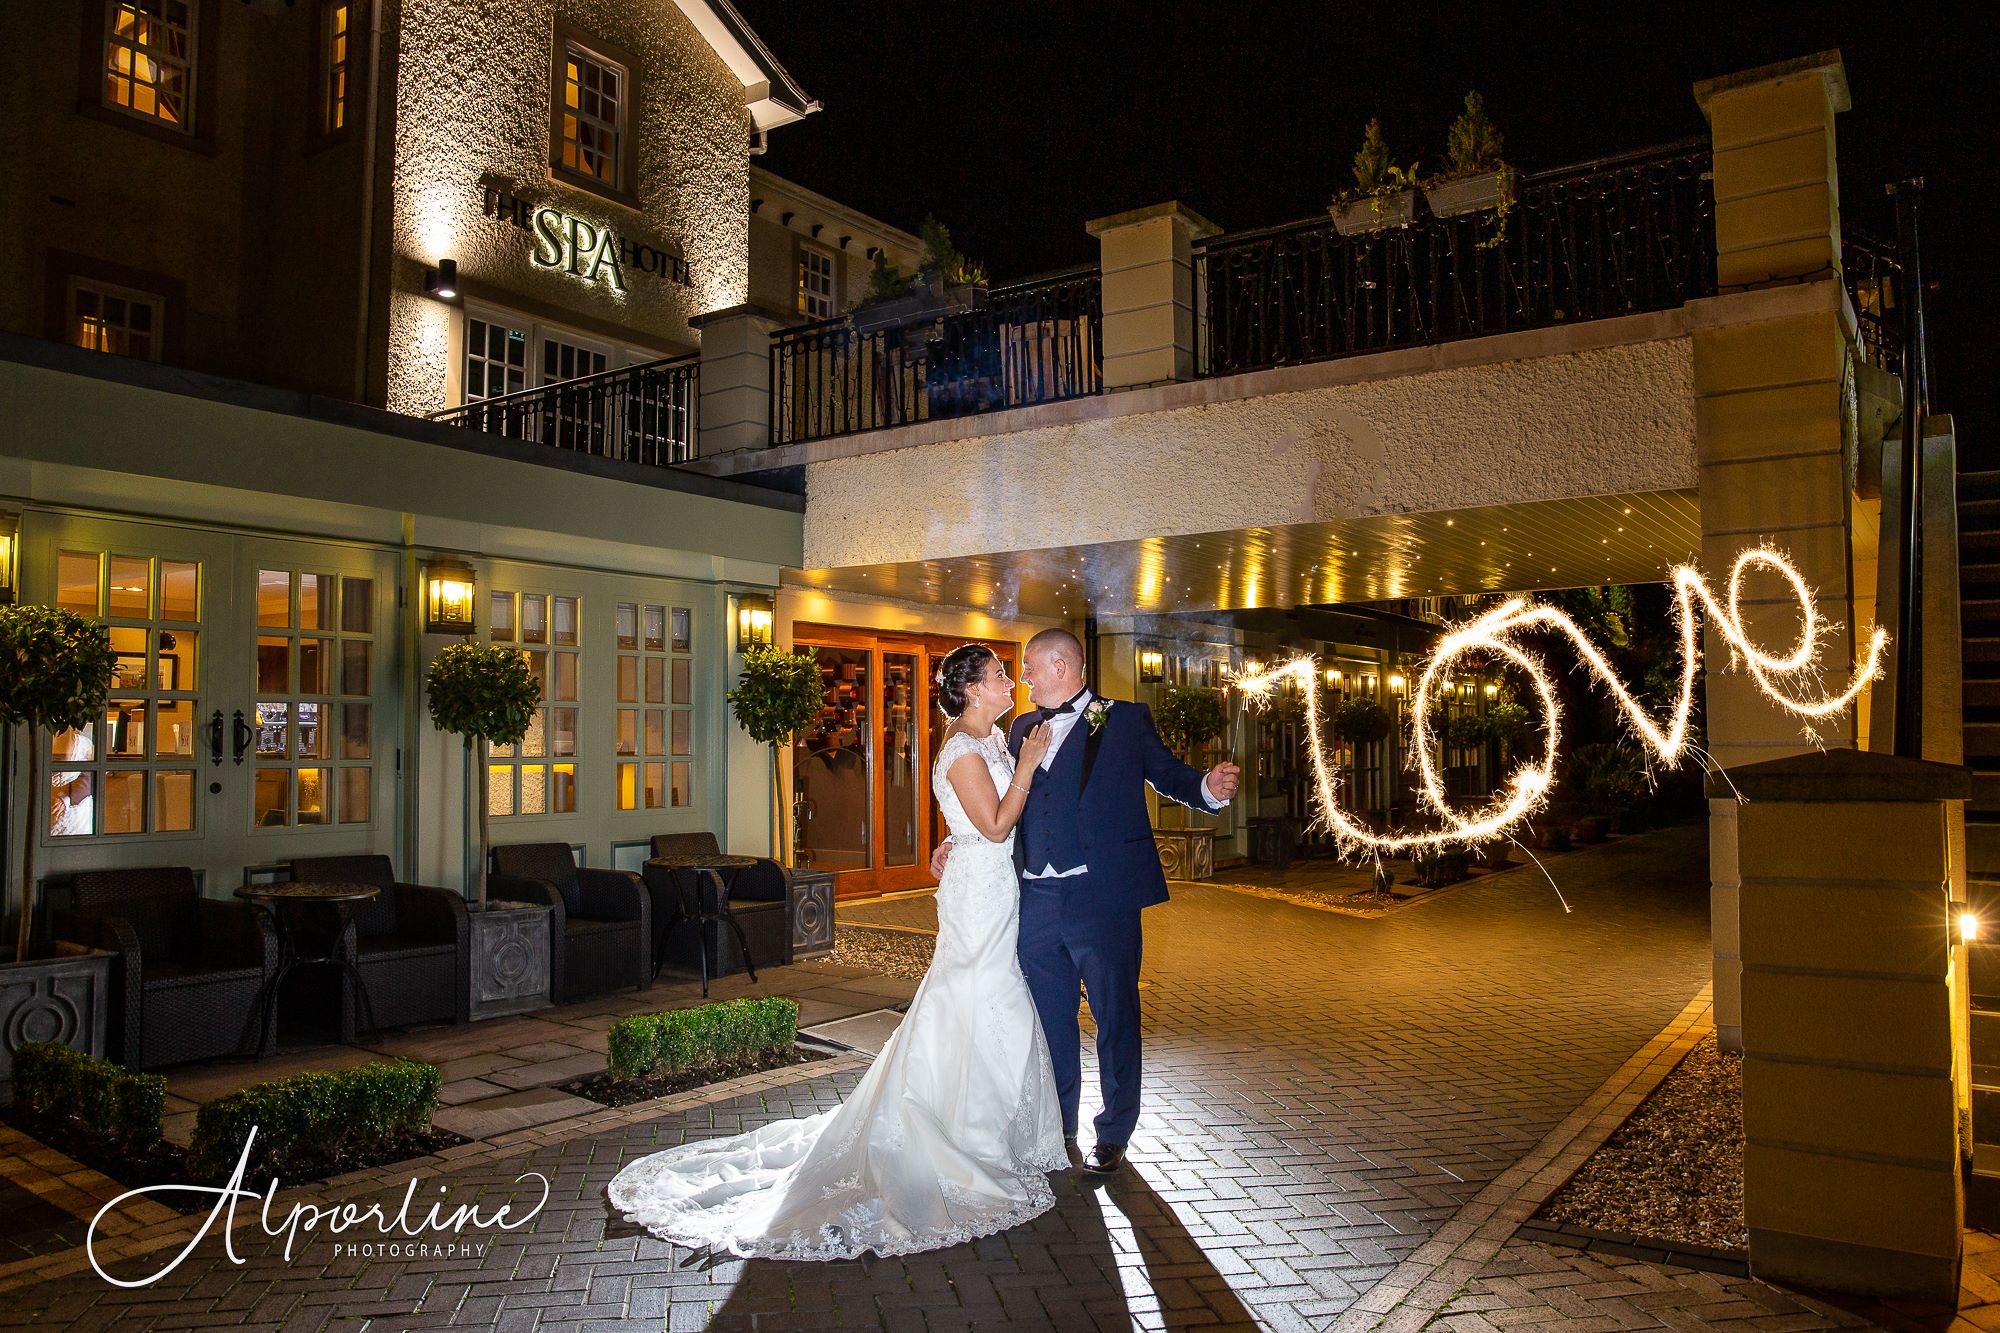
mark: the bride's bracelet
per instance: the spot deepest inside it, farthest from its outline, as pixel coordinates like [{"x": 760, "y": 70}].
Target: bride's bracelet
[{"x": 1018, "y": 787}]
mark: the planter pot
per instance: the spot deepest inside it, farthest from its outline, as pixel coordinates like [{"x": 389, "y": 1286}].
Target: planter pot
[
  {"x": 1493, "y": 855},
  {"x": 1186, "y": 853},
  {"x": 1470, "y": 194},
  {"x": 812, "y": 912},
  {"x": 510, "y": 959},
  {"x": 63, "y": 999},
  {"x": 1375, "y": 213},
  {"x": 1273, "y": 840}
]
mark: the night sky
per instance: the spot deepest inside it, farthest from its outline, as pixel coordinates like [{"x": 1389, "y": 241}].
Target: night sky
[{"x": 1016, "y": 122}]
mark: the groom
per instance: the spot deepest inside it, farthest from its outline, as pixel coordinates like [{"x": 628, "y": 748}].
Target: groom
[{"x": 1084, "y": 849}]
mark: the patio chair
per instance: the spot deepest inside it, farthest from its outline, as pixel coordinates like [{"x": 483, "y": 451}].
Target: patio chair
[
  {"x": 744, "y": 916},
  {"x": 600, "y": 931},
  {"x": 412, "y": 944},
  {"x": 189, "y": 973}
]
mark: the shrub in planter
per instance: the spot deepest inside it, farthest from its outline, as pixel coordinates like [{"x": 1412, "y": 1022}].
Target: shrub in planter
[
  {"x": 778, "y": 693},
  {"x": 1493, "y": 855},
  {"x": 60, "y": 1085},
  {"x": 486, "y": 693},
  {"x": 1435, "y": 869},
  {"x": 1553, "y": 838},
  {"x": 1189, "y": 717},
  {"x": 1475, "y": 178},
  {"x": 685, "y": 1038},
  {"x": 1384, "y": 194},
  {"x": 316, "y": 1112},
  {"x": 1466, "y": 731},
  {"x": 1361, "y": 721}
]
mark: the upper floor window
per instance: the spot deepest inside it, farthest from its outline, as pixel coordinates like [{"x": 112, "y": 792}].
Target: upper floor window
[
  {"x": 816, "y": 283},
  {"x": 590, "y": 122},
  {"x": 107, "y": 318},
  {"x": 334, "y": 65},
  {"x": 149, "y": 60}
]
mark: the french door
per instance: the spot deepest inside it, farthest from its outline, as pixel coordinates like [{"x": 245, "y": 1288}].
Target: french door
[
  {"x": 254, "y": 704},
  {"x": 862, "y": 771}
]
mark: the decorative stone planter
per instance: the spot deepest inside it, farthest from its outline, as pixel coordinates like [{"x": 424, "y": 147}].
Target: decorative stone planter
[
  {"x": 1470, "y": 194},
  {"x": 1186, "y": 853},
  {"x": 1273, "y": 840},
  {"x": 812, "y": 912},
  {"x": 65, "y": 999},
  {"x": 1375, "y": 213},
  {"x": 510, "y": 959}
]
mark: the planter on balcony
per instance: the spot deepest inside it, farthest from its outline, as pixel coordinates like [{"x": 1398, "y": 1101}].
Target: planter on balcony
[
  {"x": 1375, "y": 213},
  {"x": 510, "y": 959},
  {"x": 1470, "y": 194},
  {"x": 64, "y": 998}
]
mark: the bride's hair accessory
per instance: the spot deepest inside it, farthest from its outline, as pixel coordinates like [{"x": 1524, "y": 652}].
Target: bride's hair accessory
[{"x": 958, "y": 673}]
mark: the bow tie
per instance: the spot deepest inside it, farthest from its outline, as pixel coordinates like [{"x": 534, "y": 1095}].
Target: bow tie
[{"x": 1070, "y": 707}]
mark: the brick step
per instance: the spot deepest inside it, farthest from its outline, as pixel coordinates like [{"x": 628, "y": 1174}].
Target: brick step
[
  {"x": 1978, "y": 486},
  {"x": 1986, "y": 649},
  {"x": 1977, "y": 515},
  {"x": 1976, "y": 612},
  {"x": 1976, "y": 545},
  {"x": 1985, "y": 787},
  {"x": 1980, "y": 694},
  {"x": 1982, "y": 738}
]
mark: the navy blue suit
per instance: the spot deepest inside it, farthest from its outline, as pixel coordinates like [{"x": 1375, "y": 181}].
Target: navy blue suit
[{"x": 1089, "y": 809}]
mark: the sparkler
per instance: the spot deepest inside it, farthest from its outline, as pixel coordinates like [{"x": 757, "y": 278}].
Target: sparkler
[{"x": 1783, "y": 679}]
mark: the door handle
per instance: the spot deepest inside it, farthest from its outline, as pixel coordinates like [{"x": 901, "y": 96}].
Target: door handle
[
  {"x": 215, "y": 738},
  {"x": 243, "y": 735}
]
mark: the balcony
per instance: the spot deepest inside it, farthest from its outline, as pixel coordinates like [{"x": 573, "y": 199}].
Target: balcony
[{"x": 645, "y": 414}]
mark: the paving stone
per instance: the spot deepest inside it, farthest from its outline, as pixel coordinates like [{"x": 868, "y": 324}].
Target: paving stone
[{"x": 510, "y": 1111}]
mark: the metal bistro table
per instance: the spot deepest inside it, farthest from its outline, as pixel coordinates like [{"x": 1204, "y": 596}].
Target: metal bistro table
[
  {"x": 340, "y": 897},
  {"x": 692, "y": 908}
]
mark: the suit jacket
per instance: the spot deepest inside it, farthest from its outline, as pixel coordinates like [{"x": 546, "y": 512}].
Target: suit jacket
[{"x": 1119, "y": 760}]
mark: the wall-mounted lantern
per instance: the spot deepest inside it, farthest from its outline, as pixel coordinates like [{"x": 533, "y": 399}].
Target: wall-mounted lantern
[
  {"x": 10, "y": 542},
  {"x": 1152, "y": 665},
  {"x": 448, "y": 589},
  {"x": 1396, "y": 684},
  {"x": 1333, "y": 678},
  {"x": 442, "y": 281},
  {"x": 1491, "y": 689},
  {"x": 753, "y": 622}
]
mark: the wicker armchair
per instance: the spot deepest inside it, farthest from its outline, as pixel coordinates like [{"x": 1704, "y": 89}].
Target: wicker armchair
[
  {"x": 411, "y": 944},
  {"x": 747, "y": 910},
  {"x": 188, "y": 978},
  {"x": 601, "y": 928}
]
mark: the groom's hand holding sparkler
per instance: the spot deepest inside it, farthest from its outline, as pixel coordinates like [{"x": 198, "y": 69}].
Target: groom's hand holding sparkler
[{"x": 1223, "y": 780}]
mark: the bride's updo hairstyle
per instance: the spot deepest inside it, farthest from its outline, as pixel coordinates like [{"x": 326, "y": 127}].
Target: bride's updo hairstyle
[{"x": 958, "y": 673}]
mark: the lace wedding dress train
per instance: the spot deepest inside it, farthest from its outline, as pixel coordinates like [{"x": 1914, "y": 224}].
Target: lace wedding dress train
[{"x": 948, "y": 1137}]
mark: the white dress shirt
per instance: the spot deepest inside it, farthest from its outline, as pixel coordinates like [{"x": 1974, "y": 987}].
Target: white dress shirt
[{"x": 1060, "y": 726}]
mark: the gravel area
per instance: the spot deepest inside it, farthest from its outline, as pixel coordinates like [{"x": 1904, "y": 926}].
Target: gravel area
[
  {"x": 900, "y": 953},
  {"x": 1674, "y": 1171}
]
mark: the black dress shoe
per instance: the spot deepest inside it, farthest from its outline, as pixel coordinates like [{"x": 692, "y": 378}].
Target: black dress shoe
[{"x": 1104, "y": 1159}]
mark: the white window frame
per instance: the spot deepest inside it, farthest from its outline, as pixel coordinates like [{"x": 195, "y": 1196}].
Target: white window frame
[
  {"x": 188, "y": 65},
  {"x": 131, "y": 296},
  {"x": 810, "y": 254},
  {"x": 336, "y": 67},
  {"x": 573, "y": 50}
]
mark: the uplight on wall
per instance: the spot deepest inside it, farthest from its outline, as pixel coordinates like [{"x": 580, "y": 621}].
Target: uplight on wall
[
  {"x": 442, "y": 281},
  {"x": 9, "y": 543},
  {"x": 1152, "y": 665},
  {"x": 448, "y": 590},
  {"x": 753, "y": 622}
]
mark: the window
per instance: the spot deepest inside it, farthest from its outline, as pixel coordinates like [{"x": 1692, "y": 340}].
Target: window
[
  {"x": 590, "y": 124},
  {"x": 315, "y": 712},
  {"x": 816, "y": 283},
  {"x": 149, "y": 60},
  {"x": 537, "y": 775},
  {"x": 334, "y": 65},
  {"x": 655, "y": 706},
  {"x": 107, "y": 318},
  {"x": 132, "y": 772},
  {"x": 496, "y": 359}
]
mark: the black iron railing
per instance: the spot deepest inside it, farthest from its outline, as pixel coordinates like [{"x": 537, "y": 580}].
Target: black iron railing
[
  {"x": 1611, "y": 237},
  {"x": 647, "y": 413},
  {"x": 1038, "y": 341},
  {"x": 1873, "y": 275}
]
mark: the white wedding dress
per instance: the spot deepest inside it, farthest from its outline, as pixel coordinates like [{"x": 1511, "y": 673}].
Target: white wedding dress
[{"x": 948, "y": 1137}]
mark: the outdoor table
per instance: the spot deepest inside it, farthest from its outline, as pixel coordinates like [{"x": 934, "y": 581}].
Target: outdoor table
[
  {"x": 340, "y": 897},
  {"x": 692, "y": 909}
]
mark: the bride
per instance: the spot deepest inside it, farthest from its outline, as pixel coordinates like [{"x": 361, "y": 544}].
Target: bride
[{"x": 950, "y": 1134}]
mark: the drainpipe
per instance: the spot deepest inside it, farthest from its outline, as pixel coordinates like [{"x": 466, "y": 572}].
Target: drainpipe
[
  {"x": 370, "y": 128},
  {"x": 1916, "y": 401}
]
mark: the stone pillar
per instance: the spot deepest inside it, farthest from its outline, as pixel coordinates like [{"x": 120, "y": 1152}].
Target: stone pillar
[
  {"x": 736, "y": 378},
  {"x": 1769, "y": 423},
  {"x": 1851, "y": 1059},
  {"x": 1148, "y": 305}
]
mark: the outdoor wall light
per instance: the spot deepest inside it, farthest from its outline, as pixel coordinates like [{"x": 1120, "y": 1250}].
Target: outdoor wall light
[
  {"x": 448, "y": 589},
  {"x": 442, "y": 281},
  {"x": 9, "y": 543},
  {"x": 1492, "y": 690},
  {"x": 1968, "y": 924},
  {"x": 1333, "y": 678},
  {"x": 1396, "y": 683},
  {"x": 1152, "y": 665},
  {"x": 753, "y": 622}
]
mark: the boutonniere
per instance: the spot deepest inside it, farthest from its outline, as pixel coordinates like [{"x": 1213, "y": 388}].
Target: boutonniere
[{"x": 1095, "y": 714}]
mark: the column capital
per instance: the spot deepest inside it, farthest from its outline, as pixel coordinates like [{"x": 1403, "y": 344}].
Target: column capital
[
  {"x": 1826, "y": 66},
  {"x": 1196, "y": 225}
]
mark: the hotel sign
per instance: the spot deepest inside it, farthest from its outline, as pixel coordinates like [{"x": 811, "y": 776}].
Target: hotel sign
[{"x": 580, "y": 247}]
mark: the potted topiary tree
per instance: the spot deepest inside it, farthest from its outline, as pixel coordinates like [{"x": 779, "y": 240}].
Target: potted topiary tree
[
  {"x": 1384, "y": 194},
  {"x": 1475, "y": 179},
  {"x": 778, "y": 693},
  {"x": 1188, "y": 718},
  {"x": 486, "y": 693},
  {"x": 55, "y": 674}
]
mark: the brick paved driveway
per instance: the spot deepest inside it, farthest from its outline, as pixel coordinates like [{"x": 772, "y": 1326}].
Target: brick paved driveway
[{"x": 1322, "y": 1094}]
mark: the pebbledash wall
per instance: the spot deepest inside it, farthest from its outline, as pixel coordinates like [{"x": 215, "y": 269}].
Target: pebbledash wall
[{"x": 472, "y": 112}]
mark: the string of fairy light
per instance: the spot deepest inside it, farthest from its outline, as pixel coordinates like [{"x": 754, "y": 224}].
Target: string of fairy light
[{"x": 1792, "y": 681}]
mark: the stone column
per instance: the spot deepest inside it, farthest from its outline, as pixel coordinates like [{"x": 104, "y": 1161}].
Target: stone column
[
  {"x": 1148, "y": 304},
  {"x": 736, "y": 378},
  {"x": 1851, "y": 1060},
  {"x": 1769, "y": 421}
]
